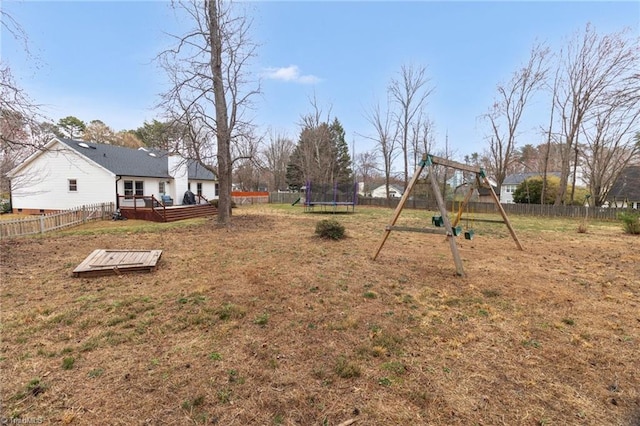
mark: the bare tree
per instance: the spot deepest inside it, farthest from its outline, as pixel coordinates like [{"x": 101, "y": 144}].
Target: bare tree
[
  {"x": 506, "y": 113},
  {"x": 610, "y": 145},
  {"x": 210, "y": 90},
  {"x": 549, "y": 134},
  {"x": 594, "y": 70},
  {"x": 410, "y": 92},
  {"x": 366, "y": 165},
  {"x": 385, "y": 138},
  {"x": 16, "y": 107},
  {"x": 422, "y": 138},
  {"x": 98, "y": 131},
  {"x": 276, "y": 155}
]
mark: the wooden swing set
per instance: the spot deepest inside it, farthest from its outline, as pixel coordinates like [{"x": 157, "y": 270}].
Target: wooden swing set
[{"x": 442, "y": 222}]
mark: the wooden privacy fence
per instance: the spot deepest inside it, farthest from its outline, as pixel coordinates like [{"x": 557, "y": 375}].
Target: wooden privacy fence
[
  {"x": 543, "y": 210},
  {"x": 54, "y": 221},
  {"x": 250, "y": 197}
]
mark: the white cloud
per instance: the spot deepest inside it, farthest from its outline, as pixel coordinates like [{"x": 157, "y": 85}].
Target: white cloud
[{"x": 290, "y": 73}]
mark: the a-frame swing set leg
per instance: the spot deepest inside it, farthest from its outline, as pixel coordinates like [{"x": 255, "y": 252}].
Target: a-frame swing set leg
[
  {"x": 441, "y": 206},
  {"x": 396, "y": 213},
  {"x": 447, "y": 224},
  {"x": 502, "y": 212}
]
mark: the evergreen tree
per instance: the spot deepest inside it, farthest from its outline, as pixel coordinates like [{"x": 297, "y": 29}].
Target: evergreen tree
[
  {"x": 343, "y": 174},
  {"x": 321, "y": 156}
]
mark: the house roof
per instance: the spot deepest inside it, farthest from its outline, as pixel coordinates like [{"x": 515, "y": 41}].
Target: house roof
[
  {"x": 627, "y": 185},
  {"x": 123, "y": 161},
  {"x": 518, "y": 178}
]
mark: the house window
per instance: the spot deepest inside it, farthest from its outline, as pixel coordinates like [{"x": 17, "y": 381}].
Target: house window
[
  {"x": 128, "y": 188},
  {"x": 132, "y": 188},
  {"x": 216, "y": 190},
  {"x": 189, "y": 186},
  {"x": 199, "y": 188},
  {"x": 73, "y": 185},
  {"x": 161, "y": 189}
]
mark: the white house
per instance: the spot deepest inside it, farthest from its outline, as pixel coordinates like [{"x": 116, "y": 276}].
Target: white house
[
  {"x": 381, "y": 192},
  {"x": 69, "y": 173},
  {"x": 511, "y": 182},
  {"x": 625, "y": 192}
]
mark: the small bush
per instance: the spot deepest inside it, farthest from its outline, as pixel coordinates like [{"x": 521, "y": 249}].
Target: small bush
[
  {"x": 5, "y": 206},
  {"x": 583, "y": 227},
  {"x": 630, "y": 222},
  {"x": 330, "y": 229},
  {"x": 67, "y": 363},
  {"x": 346, "y": 369}
]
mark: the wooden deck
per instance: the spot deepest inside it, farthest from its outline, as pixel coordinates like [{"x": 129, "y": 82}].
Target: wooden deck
[
  {"x": 107, "y": 262},
  {"x": 169, "y": 213}
]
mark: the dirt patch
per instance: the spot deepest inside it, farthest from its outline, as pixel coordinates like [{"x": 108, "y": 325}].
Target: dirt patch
[{"x": 267, "y": 324}]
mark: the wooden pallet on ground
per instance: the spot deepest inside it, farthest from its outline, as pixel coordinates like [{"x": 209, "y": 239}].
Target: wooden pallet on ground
[{"x": 107, "y": 262}]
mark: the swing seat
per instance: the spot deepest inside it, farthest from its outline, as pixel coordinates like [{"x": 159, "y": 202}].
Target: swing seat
[
  {"x": 468, "y": 235},
  {"x": 456, "y": 230},
  {"x": 437, "y": 220}
]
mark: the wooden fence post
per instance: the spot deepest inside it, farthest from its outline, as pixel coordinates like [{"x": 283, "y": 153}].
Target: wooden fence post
[{"x": 42, "y": 230}]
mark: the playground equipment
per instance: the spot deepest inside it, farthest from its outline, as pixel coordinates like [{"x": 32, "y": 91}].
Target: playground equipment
[
  {"x": 330, "y": 197},
  {"x": 441, "y": 222}
]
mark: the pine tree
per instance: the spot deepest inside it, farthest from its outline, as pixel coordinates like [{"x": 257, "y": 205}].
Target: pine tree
[
  {"x": 321, "y": 157},
  {"x": 343, "y": 174}
]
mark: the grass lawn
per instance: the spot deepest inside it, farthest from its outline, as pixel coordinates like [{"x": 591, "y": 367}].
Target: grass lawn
[{"x": 264, "y": 323}]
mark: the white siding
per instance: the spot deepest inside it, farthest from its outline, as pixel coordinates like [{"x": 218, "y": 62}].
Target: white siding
[
  {"x": 506, "y": 193},
  {"x": 150, "y": 186},
  {"x": 44, "y": 182},
  {"x": 180, "y": 173},
  {"x": 381, "y": 192},
  {"x": 208, "y": 189}
]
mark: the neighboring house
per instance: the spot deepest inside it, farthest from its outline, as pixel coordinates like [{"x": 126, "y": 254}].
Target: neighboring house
[
  {"x": 625, "y": 191},
  {"x": 480, "y": 195},
  {"x": 511, "y": 182},
  {"x": 381, "y": 192},
  {"x": 69, "y": 173},
  {"x": 484, "y": 194}
]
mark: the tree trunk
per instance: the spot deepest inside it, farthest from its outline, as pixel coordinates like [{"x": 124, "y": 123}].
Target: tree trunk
[{"x": 225, "y": 165}]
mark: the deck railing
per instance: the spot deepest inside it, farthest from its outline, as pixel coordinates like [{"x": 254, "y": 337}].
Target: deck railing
[
  {"x": 136, "y": 202},
  {"x": 56, "y": 221}
]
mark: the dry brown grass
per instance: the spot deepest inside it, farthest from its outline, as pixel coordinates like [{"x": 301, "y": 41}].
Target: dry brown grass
[{"x": 267, "y": 324}]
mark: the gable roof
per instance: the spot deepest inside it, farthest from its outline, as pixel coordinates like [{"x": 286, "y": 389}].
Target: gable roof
[
  {"x": 124, "y": 161},
  {"x": 120, "y": 160},
  {"x": 627, "y": 185}
]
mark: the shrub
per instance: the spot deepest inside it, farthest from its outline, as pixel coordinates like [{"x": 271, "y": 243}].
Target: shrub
[
  {"x": 630, "y": 222},
  {"x": 330, "y": 228},
  {"x": 346, "y": 369},
  {"x": 5, "y": 206}
]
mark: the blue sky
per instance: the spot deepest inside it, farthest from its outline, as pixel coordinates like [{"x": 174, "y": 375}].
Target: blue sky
[{"x": 94, "y": 59}]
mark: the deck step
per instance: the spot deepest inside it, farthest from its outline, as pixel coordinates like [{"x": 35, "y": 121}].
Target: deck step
[
  {"x": 170, "y": 214},
  {"x": 204, "y": 210}
]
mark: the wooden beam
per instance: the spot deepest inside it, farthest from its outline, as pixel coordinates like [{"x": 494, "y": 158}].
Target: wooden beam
[
  {"x": 504, "y": 214},
  {"x": 447, "y": 224},
  {"x": 473, "y": 219},
  {"x": 453, "y": 164},
  {"x": 441, "y": 231}
]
